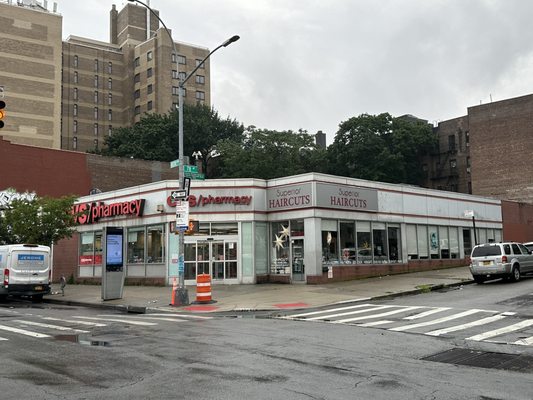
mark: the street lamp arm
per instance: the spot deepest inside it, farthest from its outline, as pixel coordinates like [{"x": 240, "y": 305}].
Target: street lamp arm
[{"x": 225, "y": 44}]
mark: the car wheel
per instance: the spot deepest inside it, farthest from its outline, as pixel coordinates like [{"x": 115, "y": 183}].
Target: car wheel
[
  {"x": 479, "y": 279},
  {"x": 515, "y": 274}
]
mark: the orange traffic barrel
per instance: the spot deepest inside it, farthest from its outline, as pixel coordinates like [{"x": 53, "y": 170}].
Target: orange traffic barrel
[{"x": 203, "y": 288}]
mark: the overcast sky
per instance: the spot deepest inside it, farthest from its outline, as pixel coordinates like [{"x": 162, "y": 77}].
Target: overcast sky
[{"x": 312, "y": 64}]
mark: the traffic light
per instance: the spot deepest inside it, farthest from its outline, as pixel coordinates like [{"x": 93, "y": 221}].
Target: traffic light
[{"x": 2, "y": 113}]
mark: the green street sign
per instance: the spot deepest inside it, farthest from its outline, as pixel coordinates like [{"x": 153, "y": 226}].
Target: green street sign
[
  {"x": 175, "y": 163},
  {"x": 190, "y": 168},
  {"x": 195, "y": 175}
]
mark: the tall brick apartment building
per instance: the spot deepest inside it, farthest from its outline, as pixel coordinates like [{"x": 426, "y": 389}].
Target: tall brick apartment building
[{"x": 71, "y": 94}]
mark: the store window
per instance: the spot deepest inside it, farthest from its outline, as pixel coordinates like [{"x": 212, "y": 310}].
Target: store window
[
  {"x": 155, "y": 244},
  {"x": 231, "y": 228},
  {"x": 422, "y": 234},
  {"x": 329, "y": 241},
  {"x": 90, "y": 256},
  {"x": 444, "y": 242},
  {"x": 379, "y": 242},
  {"x": 279, "y": 248},
  {"x": 454, "y": 242},
  {"x": 135, "y": 245},
  {"x": 364, "y": 242},
  {"x": 433, "y": 242},
  {"x": 261, "y": 248},
  {"x": 231, "y": 260},
  {"x": 347, "y": 242},
  {"x": 395, "y": 244},
  {"x": 297, "y": 227}
]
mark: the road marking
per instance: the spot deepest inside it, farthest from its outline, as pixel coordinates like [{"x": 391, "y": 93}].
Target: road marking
[
  {"x": 1, "y": 338},
  {"x": 129, "y": 321},
  {"x": 435, "y": 321},
  {"x": 71, "y": 321},
  {"x": 23, "y": 332},
  {"x": 455, "y": 328},
  {"x": 330, "y": 316},
  {"x": 341, "y": 321},
  {"x": 353, "y": 300},
  {"x": 49, "y": 326},
  {"x": 178, "y": 315},
  {"x": 426, "y": 313},
  {"x": 375, "y": 323},
  {"x": 165, "y": 319},
  {"x": 525, "y": 342},
  {"x": 325, "y": 311},
  {"x": 501, "y": 331}
]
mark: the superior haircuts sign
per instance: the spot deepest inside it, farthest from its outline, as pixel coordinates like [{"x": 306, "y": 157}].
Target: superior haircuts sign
[
  {"x": 90, "y": 213},
  {"x": 350, "y": 198}
]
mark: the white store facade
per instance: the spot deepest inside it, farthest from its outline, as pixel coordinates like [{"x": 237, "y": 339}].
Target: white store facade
[{"x": 309, "y": 228}]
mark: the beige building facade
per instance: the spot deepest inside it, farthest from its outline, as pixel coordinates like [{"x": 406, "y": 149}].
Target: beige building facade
[{"x": 71, "y": 94}]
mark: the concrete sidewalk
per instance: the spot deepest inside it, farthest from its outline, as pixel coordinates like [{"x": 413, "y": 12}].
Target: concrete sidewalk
[{"x": 234, "y": 298}]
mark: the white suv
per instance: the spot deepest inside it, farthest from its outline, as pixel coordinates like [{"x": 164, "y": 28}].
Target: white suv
[{"x": 500, "y": 260}]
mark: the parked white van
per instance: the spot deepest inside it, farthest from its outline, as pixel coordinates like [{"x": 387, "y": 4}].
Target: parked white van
[{"x": 26, "y": 270}]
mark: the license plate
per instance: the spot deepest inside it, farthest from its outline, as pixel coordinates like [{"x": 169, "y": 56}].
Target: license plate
[
  {"x": 38, "y": 288},
  {"x": 486, "y": 262}
]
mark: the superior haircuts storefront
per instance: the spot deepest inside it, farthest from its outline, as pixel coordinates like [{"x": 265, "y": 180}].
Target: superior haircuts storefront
[{"x": 307, "y": 228}]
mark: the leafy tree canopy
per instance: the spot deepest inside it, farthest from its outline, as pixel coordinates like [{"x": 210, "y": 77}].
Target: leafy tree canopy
[
  {"x": 270, "y": 154},
  {"x": 43, "y": 220},
  {"x": 155, "y": 137},
  {"x": 381, "y": 148}
]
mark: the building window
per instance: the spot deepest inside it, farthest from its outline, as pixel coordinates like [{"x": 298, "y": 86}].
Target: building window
[
  {"x": 451, "y": 143},
  {"x": 75, "y": 95},
  {"x": 137, "y": 62},
  {"x": 137, "y": 94},
  {"x": 137, "y": 78},
  {"x": 95, "y": 112},
  {"x": 109, "y": 67},
  {"x": 149, "y": 88},
  {"x": 96, "y": 81},
  {"x": 453, "y": 164},
  {"x": 96, "y": 97},
  {"x": 109, "y": 129},
  {"x": 182, "y": 76},
  {"x": 202, "y": 65},
  {"x": 75, "y": 76},
  {"x": 174, "y": 74},
  {"x": 75, "y": 110},
  {"x": 149, "y": 56},
  {"x": 96, "y": 65},
  {"x": 182, "y": 60},
  {"x": 149, "y": 72},
  {"x": 96, "y": 143},
  {"x": 75, "y": 143},
  {"x": 75, "y": 127},
  {"x": 173, "y": 57},
  {"x": 109, "y": 99},
  {"x": 137, "y": 110},
  {"x": 175, "y": 90},
  {"x": 467, "y": 139},
  {"x": 200, "y": 79},
  {"x": 76, "y": 60},
  {"x": 109, "y": 115},
  {"x": 95, "y": 129},
  {"x": 150, "y": 105},
  {"x": 110, "y": 83},
  {"x": 200, "y": 95}
]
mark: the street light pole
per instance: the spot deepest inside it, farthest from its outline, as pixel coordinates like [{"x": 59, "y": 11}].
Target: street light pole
[{"x": 182, "y": 294}]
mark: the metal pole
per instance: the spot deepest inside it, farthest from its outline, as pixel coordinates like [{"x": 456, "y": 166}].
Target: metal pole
[{"x": 475, "y": 233}]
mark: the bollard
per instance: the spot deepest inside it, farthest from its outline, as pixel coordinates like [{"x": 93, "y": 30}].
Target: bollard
[
  {"x": 174, "y": 290},
  {"x": 203, "y": 288}
]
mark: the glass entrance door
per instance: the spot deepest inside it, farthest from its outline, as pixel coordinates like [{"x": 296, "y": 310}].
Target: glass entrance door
[
  {"x": 217, "y": 258},
  {"x": 297, "y": 260}
]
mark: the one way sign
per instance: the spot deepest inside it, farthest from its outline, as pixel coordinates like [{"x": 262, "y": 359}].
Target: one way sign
[{"x": 178, "y": 194}]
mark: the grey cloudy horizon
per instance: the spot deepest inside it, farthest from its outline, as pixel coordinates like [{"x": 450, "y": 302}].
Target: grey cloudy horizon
[{"x": 310, "y": 64}]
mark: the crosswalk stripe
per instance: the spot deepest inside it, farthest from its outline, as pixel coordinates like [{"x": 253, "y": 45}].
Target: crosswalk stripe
[
  {"x": 165, "y": 319},
  {"x": 456, "y": 328},
  {"x": 71, "y": 321},
  {"x": 49, "y": 326},
  {"x": 426, "y": 313},
  {"x": 501, "y": 331},
  {"x": 2, "y": 338},
  {"x": 375, "y": 323},
  {"x": 331, "y": 310},
  {"x": 330, "y": 316},
  {"x": 179, "y": 316},
  {"x": 525, "y": 342},
  {"x": 128, "y": 321},
  {"x": 23, "y": 332},
  {"x": 435, "y": 321},
  {"x": 371, "y": 316}
]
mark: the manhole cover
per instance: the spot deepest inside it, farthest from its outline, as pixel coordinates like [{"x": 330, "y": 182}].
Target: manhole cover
[{"x": 484, "y": 359}]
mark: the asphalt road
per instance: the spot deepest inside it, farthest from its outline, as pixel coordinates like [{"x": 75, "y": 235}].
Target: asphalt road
[{"x": 172, "y": 356}]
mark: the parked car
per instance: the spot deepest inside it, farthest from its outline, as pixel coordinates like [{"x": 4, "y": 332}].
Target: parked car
[
  {"x": 529, "y": 246},
  {"x": 508, "y": 260}
]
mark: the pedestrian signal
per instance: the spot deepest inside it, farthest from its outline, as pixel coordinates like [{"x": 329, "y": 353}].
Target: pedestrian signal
[{"x": 2, "y": 112}]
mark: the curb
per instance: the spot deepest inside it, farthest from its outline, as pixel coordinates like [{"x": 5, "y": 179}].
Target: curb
[{"x": 144, "y": 310}]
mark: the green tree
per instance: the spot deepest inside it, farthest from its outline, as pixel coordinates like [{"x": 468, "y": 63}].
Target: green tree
[
  {"x": 270, "y": 154},
  {"x": 381, "y": 148},
  {"x": 155, "y": 137},
  {"x": 43, "y": 220}
]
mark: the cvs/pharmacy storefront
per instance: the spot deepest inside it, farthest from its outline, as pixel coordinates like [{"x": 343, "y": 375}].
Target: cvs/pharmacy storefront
[{"x": 307, "y": 228}]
